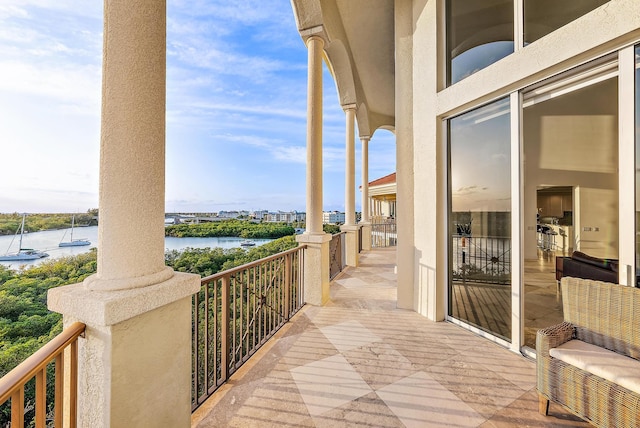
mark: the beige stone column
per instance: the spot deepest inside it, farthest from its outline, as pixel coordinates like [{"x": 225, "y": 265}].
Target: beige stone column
[
  {"x": 351, "y": 248},
  {"x": 134, "y": 364},
  {"x": 316, "y": 260},
  {"x": 315, "y": 46},
  {"x": 365, "y": 221},
  {"x": 350, "y": 166},
  {"x": 406, "y": 250}
]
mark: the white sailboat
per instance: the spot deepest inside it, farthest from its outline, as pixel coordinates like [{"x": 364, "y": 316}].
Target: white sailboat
[
  {"x": 23, "y": 253},
  {"x": 74, "y": 242}
]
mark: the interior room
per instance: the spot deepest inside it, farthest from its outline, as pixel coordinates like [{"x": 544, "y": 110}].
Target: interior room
[{"x": 570, "y": 145}]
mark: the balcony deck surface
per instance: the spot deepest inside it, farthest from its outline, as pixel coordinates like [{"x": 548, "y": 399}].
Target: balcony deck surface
[{"x": 361, "y": 362}]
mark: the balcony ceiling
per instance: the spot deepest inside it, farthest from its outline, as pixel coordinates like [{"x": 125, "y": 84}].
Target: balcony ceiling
[{"x": 359, "y": 46}]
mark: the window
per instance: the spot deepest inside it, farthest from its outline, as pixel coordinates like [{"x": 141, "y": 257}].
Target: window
[
  {"x": 541, "y": 17},
  {"x": 479, "y": 33}
]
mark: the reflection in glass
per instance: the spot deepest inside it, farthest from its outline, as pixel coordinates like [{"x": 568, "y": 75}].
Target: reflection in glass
[
  {"x": 479, "y": 33},
  {"x": 541, "y": 17},
  {"x": 480, "y": 218},
  {"x": 570, "y": 144}
]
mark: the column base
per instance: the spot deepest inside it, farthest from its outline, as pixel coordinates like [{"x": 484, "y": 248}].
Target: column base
[
  {"x": 316, "y": 267},
  {"x": 134, "y": 364},
  {"x": 352, "y": 251},
  {"x": 366, "y": 236}
]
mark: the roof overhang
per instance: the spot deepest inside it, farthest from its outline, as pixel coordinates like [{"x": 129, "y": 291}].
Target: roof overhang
[{"x": 359, "y": 50}]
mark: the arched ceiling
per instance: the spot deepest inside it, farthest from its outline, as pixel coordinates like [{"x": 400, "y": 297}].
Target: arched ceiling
[{"x": 359, "y": 45}]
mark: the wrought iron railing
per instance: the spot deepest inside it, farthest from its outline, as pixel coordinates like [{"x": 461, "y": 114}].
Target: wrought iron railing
[
  {"x": 384, "y": 234},
  {"x": 484, "y": 259},
  {"x": 336, "y": 254},
  {"x": 237, "y": 311},
  {"x": 14, "y": 384}
]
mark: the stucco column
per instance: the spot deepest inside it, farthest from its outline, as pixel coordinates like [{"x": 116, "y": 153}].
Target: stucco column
[
  {"x": 365, "y": 221},
  {"x": 350, "y": 227},
  {"x": 134, "y": 364},
  {"x": 316, "y": 260},
  {"x": 350, "y": 166},
  {"x": 315, "y": 46}
]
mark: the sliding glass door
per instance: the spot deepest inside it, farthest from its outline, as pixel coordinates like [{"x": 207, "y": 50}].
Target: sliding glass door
[
  {"x": 570, "y": 143},
  {"x": 480, "y": 218}
]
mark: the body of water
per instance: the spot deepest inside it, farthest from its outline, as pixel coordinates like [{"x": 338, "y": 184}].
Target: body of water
[{"x": 48, "y": 241}]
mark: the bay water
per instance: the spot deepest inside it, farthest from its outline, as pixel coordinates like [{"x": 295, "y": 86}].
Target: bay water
[{"x": 48, "y": 241}]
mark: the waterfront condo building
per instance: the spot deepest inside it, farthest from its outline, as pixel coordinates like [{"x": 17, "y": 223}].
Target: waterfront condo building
[{"x": 516, "y": 143}]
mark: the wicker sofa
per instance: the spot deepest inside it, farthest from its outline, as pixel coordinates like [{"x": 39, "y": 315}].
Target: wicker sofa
[{"x": 590, "y": 363}]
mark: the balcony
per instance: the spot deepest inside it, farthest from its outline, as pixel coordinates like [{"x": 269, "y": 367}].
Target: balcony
[{"x": 360, "y": 361}]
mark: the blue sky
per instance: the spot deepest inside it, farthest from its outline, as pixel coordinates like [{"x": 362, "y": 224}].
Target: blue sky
[{"x": 236, "y": 109}]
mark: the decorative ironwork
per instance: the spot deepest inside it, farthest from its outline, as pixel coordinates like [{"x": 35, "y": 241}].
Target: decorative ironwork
[
  {"x": 384, "y": 234},
  {"x": 483, "y": 259},
  {"x": 237, "y": 311},
  {"x": 336, "y": 260}
]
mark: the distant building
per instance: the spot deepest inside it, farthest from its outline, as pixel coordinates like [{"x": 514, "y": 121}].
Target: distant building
[
  {"x": 332, "y": 217},
  {"x": 382, "y": 197},
  {"x": 229, "y": 214},
  {"x": 286, "y": 217},
  {"x": 259, "y": 215}
]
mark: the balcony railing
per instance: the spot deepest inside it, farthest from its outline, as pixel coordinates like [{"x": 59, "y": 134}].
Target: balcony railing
[
  {"x": 237, "y": 311},
  {"x": 336, "y": 254},
  {"x": 384, "y": 234},
  {"x": 481, "y": 259},
  {"x": 13, "y": 384}
]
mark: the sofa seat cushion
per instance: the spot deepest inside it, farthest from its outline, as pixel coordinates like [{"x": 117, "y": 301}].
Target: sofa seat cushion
[{"x": 609, "y": 365}]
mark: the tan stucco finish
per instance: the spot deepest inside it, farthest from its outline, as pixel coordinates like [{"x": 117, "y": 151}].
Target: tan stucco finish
[
  {"x": 316, "y": 267},
  {"x": 132, "y": 148},
  {"x": 135, "y": 359}
]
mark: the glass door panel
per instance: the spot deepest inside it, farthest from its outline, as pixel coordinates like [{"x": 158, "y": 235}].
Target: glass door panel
[
  {"x": 480, "y": 218},
  {"x": 637, "y": 108},
  {"x": 570, "y": 189}
]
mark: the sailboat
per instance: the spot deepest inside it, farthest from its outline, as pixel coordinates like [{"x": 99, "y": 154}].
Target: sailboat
[
  {"x": 23, "y": 253},
  {"x": 73, "y": 242}
]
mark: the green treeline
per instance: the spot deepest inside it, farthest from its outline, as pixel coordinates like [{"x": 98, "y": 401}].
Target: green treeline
[
  {"x": 207, "y": 261},
  {"x": 25, "y": 322},
  {"x": 238, "y": 228},
  {"x": 9, "y": 223}
]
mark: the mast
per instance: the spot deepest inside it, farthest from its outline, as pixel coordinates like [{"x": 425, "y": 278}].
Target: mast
[
  {"x": 21, "y": 232},
  {"x": 73, "y": 217}
]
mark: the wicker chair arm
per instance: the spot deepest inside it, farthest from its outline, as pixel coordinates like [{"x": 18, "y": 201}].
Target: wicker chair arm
[{"x": 553, "y": 336}]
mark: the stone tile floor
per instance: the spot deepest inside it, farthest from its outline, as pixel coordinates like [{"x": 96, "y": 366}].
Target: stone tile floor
[{"x": 361, "y": 362}]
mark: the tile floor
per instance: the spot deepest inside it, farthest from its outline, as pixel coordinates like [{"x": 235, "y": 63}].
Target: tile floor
[{"x": 361, "y": 362}]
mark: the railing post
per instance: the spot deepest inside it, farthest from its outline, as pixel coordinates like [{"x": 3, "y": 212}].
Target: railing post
[
  {"x": 73, "y": 384},
  {"x": 226, "y": 339},
  {"x": 206, "y": 338},
  {"x": 41, "y": 398},
  {"x": 287, "y": 286},
  {"x": 59, "y": 390},
  {"x": 17, "y": 408},
  {"x": 196, "y": 344}
]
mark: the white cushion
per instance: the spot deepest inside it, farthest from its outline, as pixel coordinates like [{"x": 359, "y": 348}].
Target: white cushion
[{"x": 624, "y": 371}]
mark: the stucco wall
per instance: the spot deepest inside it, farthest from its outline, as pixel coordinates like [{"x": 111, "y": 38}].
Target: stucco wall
[{"x": 602, "y": 31}]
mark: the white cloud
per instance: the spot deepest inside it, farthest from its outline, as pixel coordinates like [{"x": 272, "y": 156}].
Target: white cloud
[
  {"x": 65, "y": 83},
  {"x": 236, "y": 105}
]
